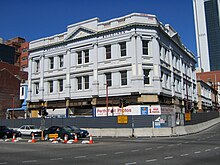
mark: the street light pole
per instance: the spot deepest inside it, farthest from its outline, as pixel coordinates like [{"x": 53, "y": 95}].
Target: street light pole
[
  {"x": 107, "y": 97},
  {"x": 13, "y": 105}
]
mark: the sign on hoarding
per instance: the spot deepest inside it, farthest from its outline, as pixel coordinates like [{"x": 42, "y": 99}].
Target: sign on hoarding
[
  {"x": 154, "y": 110},
  {"x": 122, "y": 119},
  {"x": 129, "y": 110},
  {"x": 187, "y": 116}
]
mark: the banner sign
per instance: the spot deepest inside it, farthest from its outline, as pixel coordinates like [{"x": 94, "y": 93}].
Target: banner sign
[{"x": 129, "y": 110}]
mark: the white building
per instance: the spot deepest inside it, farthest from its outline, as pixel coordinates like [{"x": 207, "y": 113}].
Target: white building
[{"x": 140, "y": 59}]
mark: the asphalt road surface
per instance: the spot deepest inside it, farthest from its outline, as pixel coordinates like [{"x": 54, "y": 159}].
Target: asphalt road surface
[{"x": 197, "y": 149}]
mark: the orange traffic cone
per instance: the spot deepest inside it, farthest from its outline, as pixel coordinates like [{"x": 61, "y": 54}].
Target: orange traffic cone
[
  {"x": 33, "y": 140},
  {"x": 90, "y": 139},
  {"x": 75, "y": 138},
  {"x": 13, "y": 138},
  {"x": 65, "y": 138}
]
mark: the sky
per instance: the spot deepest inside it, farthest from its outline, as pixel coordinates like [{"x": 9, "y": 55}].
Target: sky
[{"x": 35, "y": 19}]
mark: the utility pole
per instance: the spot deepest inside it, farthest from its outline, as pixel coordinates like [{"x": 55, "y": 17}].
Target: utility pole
[{"x": 106, "y": 98}]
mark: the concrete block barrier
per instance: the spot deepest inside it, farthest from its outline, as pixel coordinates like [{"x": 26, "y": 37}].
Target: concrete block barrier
[{"x": 151, "y": 132}]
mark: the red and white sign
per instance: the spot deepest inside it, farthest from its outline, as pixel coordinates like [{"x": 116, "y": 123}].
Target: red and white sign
[
  {"x": 154, "y": 110},
  {"x": 116, "y": 111}
]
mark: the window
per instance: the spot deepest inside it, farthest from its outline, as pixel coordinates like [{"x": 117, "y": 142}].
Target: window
[
  {"x": 22, "y": 91},
  {"x": 24, "y": 50},
  {"x": 123, "y": 77},
  {"x": 61, "y": 61},
  {"x": 24, "y": 58},
  {"x": 36, "y": 88},
  {"x": 123, "y": 48},
  {"x": 108, "y": 77},
  {"x": 37, "y": 62},
  {"x": 86, "y": 53},
  {"x": 146, "y": 76},
  {"x": 51, "y": 86},
  {"x": 145, "y": 47},
  {"x": 79, "y": 83},
  {"x": 108, "y": 52},
  {"x": 60, "y": 82},
  {"x": 79, "y": 57},
  {"x": 51, "y": 59},
  {"x": 86, "y": 82}
]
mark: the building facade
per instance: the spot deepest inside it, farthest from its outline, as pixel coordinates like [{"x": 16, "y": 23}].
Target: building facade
[
  {"x": 207, "y": 97},
  {"x": 207, "y": 25},
  {"x": 7, "y": 53},
  {"x": 212, "y": 78},
  {"x": 11, "y": 78},
  {"x": 89, "y": 68},
  {"x": 21, "y": 52}
]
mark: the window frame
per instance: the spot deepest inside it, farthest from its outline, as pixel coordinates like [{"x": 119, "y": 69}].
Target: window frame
[
  {"x": 60, "y": 82},
  {"x": 108, "y": 79},
  {"x": 108, "y": 52},
  {"x": 79, "y": 57},
  {"x": 86, "y": 55},
  {"x": 123, "y": 49},
  {"x": 51, "y": 60},
  {"x": 124, "y": 78},
  {"x": 86, "y": 82},
  {"x": 37, "y": 66},
  {"x": 147, "y": 76},
  {"x": 145, "y": 47},
  {"x": 37, "y": 85},
  {"x": 61, "y": 61},
  {"x": 50, "y": 86},
  {"x": 79, "y": 83}
]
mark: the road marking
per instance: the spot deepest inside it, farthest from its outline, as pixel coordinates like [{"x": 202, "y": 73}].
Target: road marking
[
  {"x": 184, "y": 155},
  {"x": 101, "y": 154},
  {"x": 4, "y": 163},
  {"x": 130, "y": 163},
  {"x": 148, "y": 149},
  {"x": 151, "y": 160},
  {"x": 208, "y": 150},
  {"x": 119, "y": 152},
  {"x": 170, "y": 145},
  {"x": 160, "y": 146},
  {"x": 134, "y": 150},
  {"x": 168, "y": 157},
  {"x": 56, "y": 159},
  {"x": 178, "y": 144},
  {"x": 216, "y": 148},
  {"x": 197, "y": 152},
  {"x": 78, "y": 157},
  {"x": 29, "y": 161}
]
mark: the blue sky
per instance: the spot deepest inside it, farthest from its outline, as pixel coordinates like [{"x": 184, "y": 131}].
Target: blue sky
[{"x": 34, "y": 19}]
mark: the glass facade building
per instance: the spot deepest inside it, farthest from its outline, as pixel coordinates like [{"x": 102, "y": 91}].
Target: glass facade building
[
  {"x": 213, "y": 31},
  {"x": 207, "y": 25}
]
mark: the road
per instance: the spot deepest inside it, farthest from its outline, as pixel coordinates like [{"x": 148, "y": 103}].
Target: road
[{"x": 197, "y": 149}]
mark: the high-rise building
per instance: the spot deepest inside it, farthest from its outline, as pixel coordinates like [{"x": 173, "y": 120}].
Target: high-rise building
[
  {"x": 207, "y": 25},
  {"x": 21, "y": 52}
]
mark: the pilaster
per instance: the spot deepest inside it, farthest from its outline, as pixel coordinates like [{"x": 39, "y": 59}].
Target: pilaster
[
  {"x": 95, "y": 83},
  {"x": 41, "y": 88}
]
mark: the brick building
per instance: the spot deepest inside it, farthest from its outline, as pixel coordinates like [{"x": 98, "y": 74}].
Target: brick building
[
  {"x": 212, "y": 78},
  {"x": 10, "y": 77}
]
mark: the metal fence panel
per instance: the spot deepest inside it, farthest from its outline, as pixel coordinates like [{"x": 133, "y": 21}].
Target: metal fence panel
[{"x": 142, "y": 121}]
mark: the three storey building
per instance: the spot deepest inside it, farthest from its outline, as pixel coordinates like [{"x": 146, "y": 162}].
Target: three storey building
[{"x": 93, "y": 65}]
